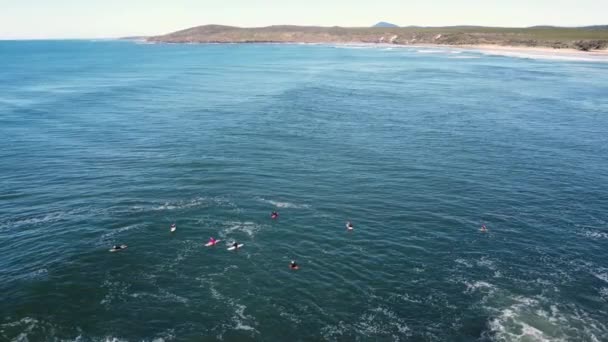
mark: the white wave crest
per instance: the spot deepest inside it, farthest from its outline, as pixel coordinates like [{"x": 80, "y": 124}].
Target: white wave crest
[
  {"x": 432, "y": 51},
  {"x": 464, "y": 57}
]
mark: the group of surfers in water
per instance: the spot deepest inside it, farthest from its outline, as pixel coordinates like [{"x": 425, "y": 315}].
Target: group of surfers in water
[
  {"x": 274, "y": 215},
  {"x": 235, "y": 245}
]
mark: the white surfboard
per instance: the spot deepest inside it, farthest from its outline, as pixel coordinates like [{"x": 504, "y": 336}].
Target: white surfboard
[
  {"x": 119, "y": 249},
  {"x": 209, "y": 244},
  {"x": 173, "y": 228},
  {"x": 231, "y": 248},
  {"x": 350, "y": 228}
]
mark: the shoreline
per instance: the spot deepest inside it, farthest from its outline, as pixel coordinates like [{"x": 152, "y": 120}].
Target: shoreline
[
  {"x": 534, "y": 52},
  {"x": 483, "y": 47}
]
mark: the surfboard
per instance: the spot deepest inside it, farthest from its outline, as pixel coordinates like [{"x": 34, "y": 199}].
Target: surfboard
[
  {"x": 118, "y": 250},
  {"x": 349, "y": 228},
  {"x": 208, "y": 244},
  {"x": 231, "y": 248},
  {"x": 174, "y": 228}
]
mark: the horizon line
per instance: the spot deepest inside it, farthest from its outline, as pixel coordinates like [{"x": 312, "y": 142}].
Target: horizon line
[{"x": 275, "y": 25}]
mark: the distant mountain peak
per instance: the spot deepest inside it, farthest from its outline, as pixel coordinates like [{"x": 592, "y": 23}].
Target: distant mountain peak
[{"x": 385, "y": 24}]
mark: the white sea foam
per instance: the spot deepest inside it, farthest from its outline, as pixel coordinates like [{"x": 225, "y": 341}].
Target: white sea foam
[
  {"x": 162, "y": 296},
  {"x": 407, "y": 298},
  {"x": 39, "y": 273},
  {"x": 601, "y": 275},
  {"x": 604, "y": 293},
  {"x": 239, "y": 320},
  {"x": 479, "y": 286},
  {"x": 546, "y": 55},
  {"x": 432, "y": 51},
  {"x": 288, "y": 205},
  {"x": 291, "y": 317},
  {"x": 195, "y": 203},
  {"x": 33, "y": 221},
  {"x": 106, "y": 237},
  {"x": 116, "y": 291},
  {"x": 487, "y": 263},
  {"x": 512, "y": 324},
  {"x": 464, "y": 57},
  {"x": 25, "y": 327},
  {"x": 463, "y": 262},
  {"x": 250, "y": 228},
  {"x": 595, "y": 234},
  {"x": 376, "y": 322},
  {"x": 539, "y": 319},
  {"x": 48, "y": 218}
]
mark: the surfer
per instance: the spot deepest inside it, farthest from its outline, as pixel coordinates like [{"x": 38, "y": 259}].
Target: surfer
[
  {"x": 483, "y": 228},
  {"x": 235, "y": 245},
  {"x": 274, "y": 215},
  {"x": 117, "y": 248},
  {"x": 173, "y": 226},
  {"x": 293, "y": 265},
  {"x": 349, "y": 225},
  {"x": 212, "y": 241}
]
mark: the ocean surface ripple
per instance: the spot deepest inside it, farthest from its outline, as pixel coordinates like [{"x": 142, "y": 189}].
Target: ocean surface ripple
[{"x": 110, "y": 142}]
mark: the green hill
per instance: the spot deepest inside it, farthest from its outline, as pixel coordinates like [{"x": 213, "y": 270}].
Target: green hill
[{"x": 584, "y": 38}]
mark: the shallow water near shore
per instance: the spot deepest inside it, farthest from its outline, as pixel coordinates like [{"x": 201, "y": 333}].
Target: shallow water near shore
[{"x": 110, "y": 142}]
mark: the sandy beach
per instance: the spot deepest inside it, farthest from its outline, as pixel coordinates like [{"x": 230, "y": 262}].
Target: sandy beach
[{"x": 538, "y": 52}]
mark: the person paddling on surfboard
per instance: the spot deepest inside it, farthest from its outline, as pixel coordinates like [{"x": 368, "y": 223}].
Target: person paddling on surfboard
[
  {"x": 212, "y": 241},
  {"x": 483, "y": 228},
  {"x": 235, "y": 245},
  {"x": 293, "y": 265},
  {"x": 349, "y": 225},
  {"x": 274, "y": 215},
  {"x": 115, "y": 247}
]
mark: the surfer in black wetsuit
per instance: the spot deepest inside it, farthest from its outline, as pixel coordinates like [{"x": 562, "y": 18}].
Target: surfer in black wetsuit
[
  {"x": 293, "y": 265},
  {"x": 235, "y": 245}
]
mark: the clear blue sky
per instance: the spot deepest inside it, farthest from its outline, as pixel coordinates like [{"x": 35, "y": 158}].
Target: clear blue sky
[{"x": 114, "y": 18}]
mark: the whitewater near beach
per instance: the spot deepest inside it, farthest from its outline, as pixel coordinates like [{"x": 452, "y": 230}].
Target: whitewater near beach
[{"x": 110, "y": 142}]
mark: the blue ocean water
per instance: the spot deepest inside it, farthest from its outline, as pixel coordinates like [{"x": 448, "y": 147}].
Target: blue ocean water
[{"x": 110, "y": 142}]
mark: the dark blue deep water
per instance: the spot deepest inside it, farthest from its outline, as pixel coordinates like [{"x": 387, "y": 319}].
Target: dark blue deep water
[{"x": 105, "y": 143}]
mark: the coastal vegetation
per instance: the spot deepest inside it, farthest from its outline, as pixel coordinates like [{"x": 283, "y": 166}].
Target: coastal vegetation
[{"x": 581, "y": 38}]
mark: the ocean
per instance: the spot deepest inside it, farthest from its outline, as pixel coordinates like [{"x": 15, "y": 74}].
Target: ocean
[{"x": 110, "y": 142}]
